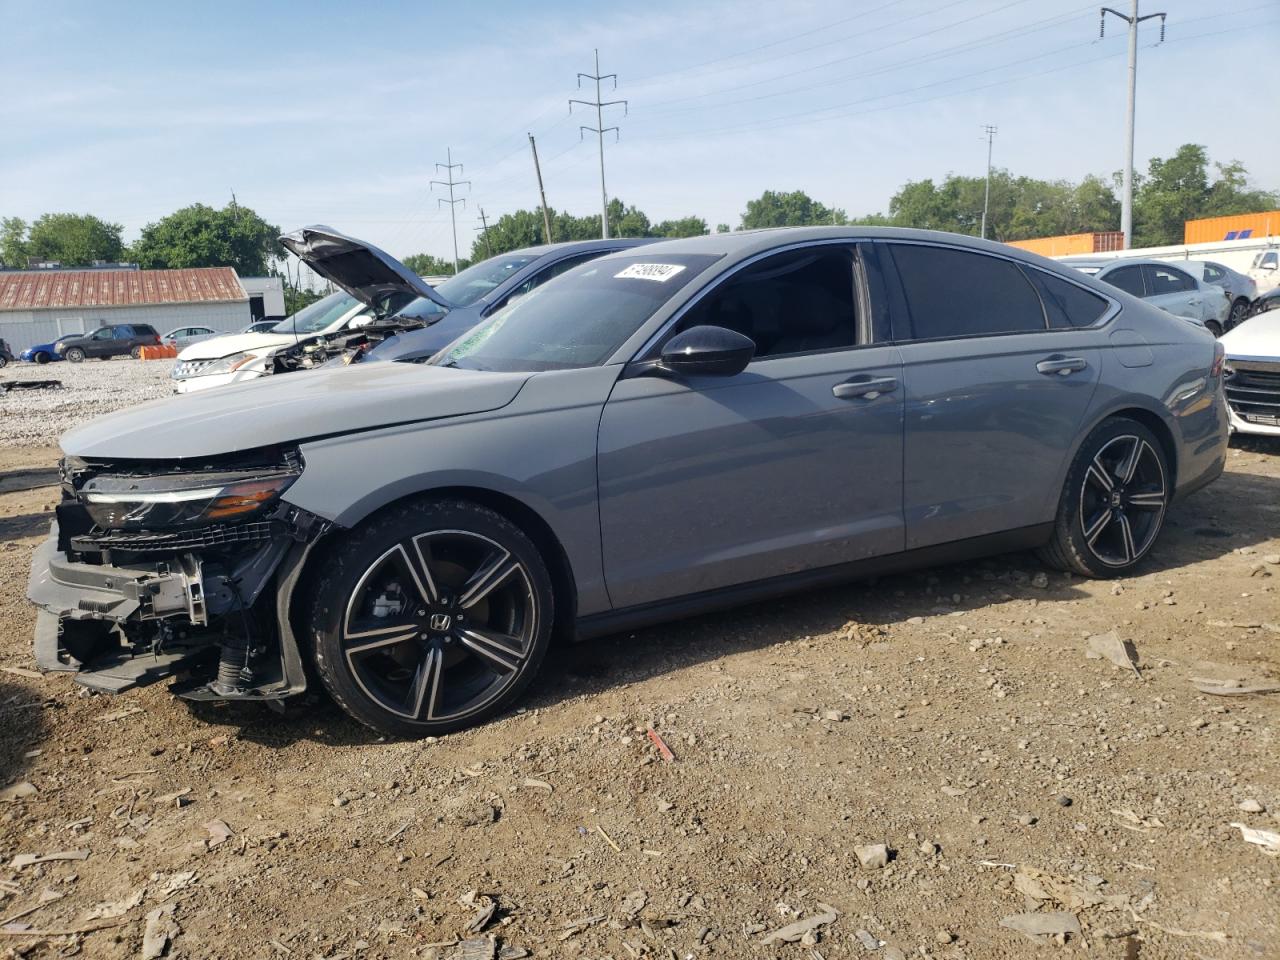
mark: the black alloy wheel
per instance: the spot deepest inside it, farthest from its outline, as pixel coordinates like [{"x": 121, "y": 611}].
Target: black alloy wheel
[
  {"x": 1113, "y": 503},
  {"x": 432, "y": 618},
  {"x": 1239, "y": 311}
]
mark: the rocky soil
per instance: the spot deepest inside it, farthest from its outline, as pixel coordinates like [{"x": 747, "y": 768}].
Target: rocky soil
[{"x": 929, "y": 765}]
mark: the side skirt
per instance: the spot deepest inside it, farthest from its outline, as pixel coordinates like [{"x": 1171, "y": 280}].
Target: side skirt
[{"x": 632, "y": 618}]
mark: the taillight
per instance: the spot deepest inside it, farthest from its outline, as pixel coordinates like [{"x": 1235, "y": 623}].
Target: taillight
[
  {"x": 157, "y": 338},
  {"x": 1219, "y": 359}
]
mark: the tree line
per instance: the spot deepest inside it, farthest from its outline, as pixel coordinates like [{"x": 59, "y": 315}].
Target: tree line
[{"x": 1185, "y": 186}]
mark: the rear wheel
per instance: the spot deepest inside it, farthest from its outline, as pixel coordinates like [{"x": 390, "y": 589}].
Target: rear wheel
[
  {"x": 75, "y": 355},
  {"x": 433, "y": 617},
  {"x": 1113, "y": 503},
  {"x": 135, "y": 353},
  {"x": 1214, "y": 327},
  {"x": 1239, "y": 311}
]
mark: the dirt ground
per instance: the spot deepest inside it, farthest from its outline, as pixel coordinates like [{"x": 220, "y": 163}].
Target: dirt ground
[{"x": 951, "y": 715}]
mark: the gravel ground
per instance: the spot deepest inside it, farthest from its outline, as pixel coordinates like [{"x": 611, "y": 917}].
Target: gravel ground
[
  {"x": 915, "y": 766},
  {"x": 38, "y": 417}
]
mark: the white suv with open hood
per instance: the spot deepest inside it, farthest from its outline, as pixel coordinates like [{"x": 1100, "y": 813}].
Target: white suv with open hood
[{"x": 373, "y": 287}]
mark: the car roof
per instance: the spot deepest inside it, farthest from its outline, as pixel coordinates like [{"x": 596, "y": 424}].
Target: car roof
[
  {"x": 581, "y": 246},
  {"x": 1103, "y": 262}
]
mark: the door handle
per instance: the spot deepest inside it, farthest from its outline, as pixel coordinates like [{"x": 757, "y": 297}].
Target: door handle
[
  {"x": 1061, "y": 365},
  {"x": 868, "y": 388}
]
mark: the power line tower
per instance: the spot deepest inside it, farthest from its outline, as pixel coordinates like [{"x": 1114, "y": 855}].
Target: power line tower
[
  {"x": 449, "y": 167},
  {"x": 1126, "y": 200},
  {"x": 600, "y": 130},
  {"x": 990, "y": 131},
  {"x": 484, "y": 234}
]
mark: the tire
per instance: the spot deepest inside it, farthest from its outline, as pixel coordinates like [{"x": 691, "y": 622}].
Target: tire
[
  {"x": 75, "y": 355},
  {"x": 1239, "y": 312},
  {"x": 1106, "y": 525},
  {"x": 1213, "y": 327},
  {"x": 41, "y": 358},
  {"x": 4, "y": 362},
  {"x": 430, "y": 571},
  {"x": 135, "y": 353}
]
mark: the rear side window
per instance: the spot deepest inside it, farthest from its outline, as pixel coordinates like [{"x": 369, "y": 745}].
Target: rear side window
[
  {"x": 146, "y": 330},
  {"x": 1168, "y": 280},
  {"x": 123, "y": 333},
  {"x": 1066, "y": 304},
  {"x": 1128, "y": 279},
  {"x": 1214, "y": 273},
  {"x": 953, "y": 293}
]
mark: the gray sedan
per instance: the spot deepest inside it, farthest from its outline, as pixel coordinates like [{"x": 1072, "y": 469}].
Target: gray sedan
[{"x": 659, "y": 432}]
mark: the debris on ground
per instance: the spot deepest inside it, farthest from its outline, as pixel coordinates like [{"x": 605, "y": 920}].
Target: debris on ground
[
  {"x": 160, "y": 931},
  {"x": 793, "y": 932},
  {"x": 656, "y": 739},
  {"x": 1266, "y": 839},
  {"x": 31, "y": 859},
  {"x": 1109, "y": 646},
  {"x": 1041, "y": 926},
  {"x": 874, "y": 856},
  {"x": 1233, "y": 688},
  {"x": 18, "y": 791},
  {"x": 219, "y": 833}
]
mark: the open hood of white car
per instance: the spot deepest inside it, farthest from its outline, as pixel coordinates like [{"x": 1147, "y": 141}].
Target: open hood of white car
[{"x": 1258, "y": 338}]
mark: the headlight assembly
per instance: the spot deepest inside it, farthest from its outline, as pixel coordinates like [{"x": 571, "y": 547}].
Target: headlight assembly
[
  {"x": 230, "y": 364},
  {"x": 180, "y": 500}
]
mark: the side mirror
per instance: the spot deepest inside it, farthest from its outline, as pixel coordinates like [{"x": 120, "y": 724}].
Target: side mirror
[{"x": 708, "y": 350}]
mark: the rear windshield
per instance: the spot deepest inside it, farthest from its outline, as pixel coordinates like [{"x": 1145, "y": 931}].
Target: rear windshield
[{"x": 579, "y": 319}]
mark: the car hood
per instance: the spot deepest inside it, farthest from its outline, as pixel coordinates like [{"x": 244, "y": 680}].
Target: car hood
[
  {"x": 1258, "y": 338},
  {"x": 231, "y": 343},
  {"x": 287, "y": 409},
  {"x": 360, "y": 268}
]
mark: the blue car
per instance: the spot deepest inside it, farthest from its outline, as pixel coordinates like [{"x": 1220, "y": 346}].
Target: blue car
[
  {"x": 479, "y": 291},
  {"x": 44, "y": 352}
]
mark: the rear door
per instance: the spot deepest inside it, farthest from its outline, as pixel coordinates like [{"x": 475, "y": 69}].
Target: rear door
[
  {"x": 708, "y": 482},
  {"x": 1175, "y": 291},
  {"x": 122, "y": 342},
  {"x": 994, "y": 396}
]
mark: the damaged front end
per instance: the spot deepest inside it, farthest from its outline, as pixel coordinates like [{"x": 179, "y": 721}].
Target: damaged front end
[
  {"x": 350, "y": 345},
  {"x": 158, "y": 568}
]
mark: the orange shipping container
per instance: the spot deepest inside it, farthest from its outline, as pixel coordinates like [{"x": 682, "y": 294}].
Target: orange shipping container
[
  {"x": 1241, "y": 226},
  {"x": 1072, "y": 243}
]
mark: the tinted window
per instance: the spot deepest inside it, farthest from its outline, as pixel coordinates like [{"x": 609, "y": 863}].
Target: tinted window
[
  {"x": 1168, "y": 280},
  {"x": 1128, "y": 279},
  {"x": 953, "y": 293},
  {"x": 1213, "y": 273},
  {"x": 580, "y": 320},
  {"x": 1066, "y": 304},
  {"x": 123, "y": 333},
  {"x": 474, "y": 282},
  {"x": 796, "y": 302},
  {"x": 144, "y": 330}
]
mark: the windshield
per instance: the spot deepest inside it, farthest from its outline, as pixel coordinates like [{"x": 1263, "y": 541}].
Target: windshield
[
  {"x": 577, "y": 320},
  {"x": 474, "y": 282},
  {"x": 316, "y": 316}
]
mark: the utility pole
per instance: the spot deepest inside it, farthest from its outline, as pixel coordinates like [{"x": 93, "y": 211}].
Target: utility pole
[
  {"x": 600, "y": 130},
  {"x": 546, "y": 214},
  {"x": 449, "y": 167},
  {"x": 484, "y": 234},
  {"x": 1126, "y": 200},
  {"x": 990, "y": 131}
]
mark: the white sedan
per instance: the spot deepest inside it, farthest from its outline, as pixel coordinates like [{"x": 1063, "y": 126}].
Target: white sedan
[
  {"x": 1164, "y": 285},
  {"x": 1253, "y": 375}
]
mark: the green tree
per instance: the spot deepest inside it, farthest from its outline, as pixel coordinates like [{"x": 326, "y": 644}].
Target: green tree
[
  {"x": 426, "y": 265},
  {"x": 201, "y": 236},
  {"x": 684, "y": 227},
  {"x": 13, "y": 243},
  {"x": 723, "y": 228},
  {"x": 295, "y": 298},
  {"x": 794, "y": 209},
  {"x": 74, "y": 239},
  {"x": 1179, "y": 189}
]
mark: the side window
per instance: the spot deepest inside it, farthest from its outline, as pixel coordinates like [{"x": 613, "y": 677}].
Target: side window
[
  {"x": 1214, "y": 274},
  {"x": 801, "y": 301},
  {"x": 1168, "y": 280},
  {"x": 1067, "y": 304},
  {"x": 954, "y": 293},
  {"x": 123, "y": 333},
  {"x": 1128, "y": 279},
  {"x": 102, "y": 333}
]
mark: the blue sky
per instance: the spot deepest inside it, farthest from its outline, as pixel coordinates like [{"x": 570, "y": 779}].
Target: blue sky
[{"x": 337, "y": 112}]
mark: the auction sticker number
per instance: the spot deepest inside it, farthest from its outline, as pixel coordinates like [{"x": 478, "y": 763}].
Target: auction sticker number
[{"x": 661, "y": 272}]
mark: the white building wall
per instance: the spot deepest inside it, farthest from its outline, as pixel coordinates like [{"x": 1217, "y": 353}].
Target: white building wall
[
  {"x": 270, "y": 289},
  {"x": 23, "y": 328}
]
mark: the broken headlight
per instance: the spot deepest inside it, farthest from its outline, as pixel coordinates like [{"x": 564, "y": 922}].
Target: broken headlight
[{"x": 180, "y": 500}]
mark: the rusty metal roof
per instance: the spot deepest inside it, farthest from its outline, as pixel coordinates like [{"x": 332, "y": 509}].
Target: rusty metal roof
[{"x": 39, "y": 289}]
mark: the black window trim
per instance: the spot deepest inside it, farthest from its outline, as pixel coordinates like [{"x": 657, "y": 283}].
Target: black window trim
[
  {"x": 1148, "y": 278},
  {"x": 898, "y": 302},
  {"x": 652, "y": 348}
]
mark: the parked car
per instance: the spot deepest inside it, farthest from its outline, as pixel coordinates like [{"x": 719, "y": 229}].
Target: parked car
[
  {"x": 181, "y": 337},
  {"x": 6, "y": 355},
  {"x": 46, "y": 352},
  {"x": 483, "y": 289},
  {"x": 261, "y": 326},
  {"x": 1241, "y": 290},
  {"x": 1265, "y": 303},
  {"x": 1253, "y": 370},
  {"x": 1166, "y": 286},
  {"x": 1265, "y": 270},
  {"x": 656, "y": 433},
  {"x": 373, "y": 287},
  {"x": 112, "y": 340}
]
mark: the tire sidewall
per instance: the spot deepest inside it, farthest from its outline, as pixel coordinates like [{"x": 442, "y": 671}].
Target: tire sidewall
[
  {"x": 1069, "y": 532},
  {"x": 75, "y": 355},
  {"x": 41, "y": 358},
  {"x": 346, "y": 562}
]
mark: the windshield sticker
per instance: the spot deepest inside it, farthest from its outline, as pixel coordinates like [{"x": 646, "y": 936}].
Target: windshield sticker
[{"x": 661, "y": 272}]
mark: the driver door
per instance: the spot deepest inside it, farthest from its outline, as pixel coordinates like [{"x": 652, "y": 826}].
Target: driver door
[
  {"x": 99, "y": 343},
  {"x": 709, "y": 481}
]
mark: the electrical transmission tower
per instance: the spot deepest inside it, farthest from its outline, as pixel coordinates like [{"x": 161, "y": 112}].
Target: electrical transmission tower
[
  {"x": 449, "y": 167},
  {"x": 600, "y": 130},
  {"x": 484, "y": 234},
  {"x": 1126, "y": 200},
  {"x": 990, "y": 131}
]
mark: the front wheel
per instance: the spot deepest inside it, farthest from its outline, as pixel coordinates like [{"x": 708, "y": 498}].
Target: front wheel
[
  {"x": 1239, "y": 311},
  {"x": 431, "y": 618},
  {"x": 75, "y": 355},
  {"x": 41, "y": 357},
  {"x": 1113, "y": 502},
  {"x": 1214, "y": 327}
]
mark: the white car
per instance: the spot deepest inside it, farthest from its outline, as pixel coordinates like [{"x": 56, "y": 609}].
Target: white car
[
  {"x": 1164, "y": 285},
  {"x": 1265, "y": 270},
  {"x": 1253, "y": 375},
  {"x": 182, "y": 337}
]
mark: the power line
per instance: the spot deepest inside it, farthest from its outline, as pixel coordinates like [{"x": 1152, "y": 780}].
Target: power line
[
  {"x": 600, "y": 129},
  {"x": 990, "y": 131},
  {"x": 449, "y": 167}
]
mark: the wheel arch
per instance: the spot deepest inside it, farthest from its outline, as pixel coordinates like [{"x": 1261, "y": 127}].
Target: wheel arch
[{"x": 1150, "y": 419}]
